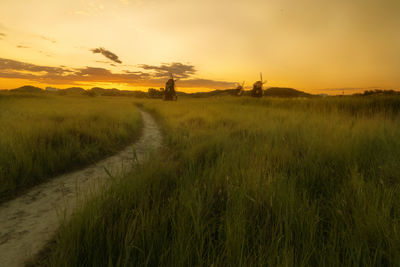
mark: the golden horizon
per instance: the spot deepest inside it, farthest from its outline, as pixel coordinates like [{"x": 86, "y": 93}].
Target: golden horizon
[
  {"x": 327, "y": 91},
  {"x": 313, "y": 46}
]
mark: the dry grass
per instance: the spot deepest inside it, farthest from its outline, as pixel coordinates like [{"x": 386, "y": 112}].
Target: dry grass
[
  {"x": 41, "y": 136},
  {"x": 252, "y": 182}
]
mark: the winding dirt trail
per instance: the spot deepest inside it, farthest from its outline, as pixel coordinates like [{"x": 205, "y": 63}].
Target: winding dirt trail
[{"x": 29, "y": 221}]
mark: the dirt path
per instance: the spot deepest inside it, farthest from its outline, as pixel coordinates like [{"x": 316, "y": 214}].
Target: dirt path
[{"x": 29, "y": 221}]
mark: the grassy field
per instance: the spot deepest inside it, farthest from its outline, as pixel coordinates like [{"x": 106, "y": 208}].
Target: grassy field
[
  {"x": 42, "y": 135},
  {"x": 252, "y": 182}
]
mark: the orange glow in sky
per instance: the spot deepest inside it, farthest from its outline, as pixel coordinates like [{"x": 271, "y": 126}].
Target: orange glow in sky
[{"x": 312, "y": 45}]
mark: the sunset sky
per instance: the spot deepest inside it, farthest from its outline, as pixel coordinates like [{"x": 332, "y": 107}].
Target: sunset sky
[{"x": 317, "y": 46}]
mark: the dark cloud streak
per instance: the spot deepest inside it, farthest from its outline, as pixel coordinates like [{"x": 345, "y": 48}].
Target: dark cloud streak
[
  {"x": 179, "y": 70},
  {"x": 64, "y": 75},
  {"x": 13, "y": 65},
  {"x": 108, "y": 54}
]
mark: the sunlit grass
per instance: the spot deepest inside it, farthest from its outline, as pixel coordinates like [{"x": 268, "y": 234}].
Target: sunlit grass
[
  {"x": 41, "y": 136},
  {"x": 248, "y": 182}
]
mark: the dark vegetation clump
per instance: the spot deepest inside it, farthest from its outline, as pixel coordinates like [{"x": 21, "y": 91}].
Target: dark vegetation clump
[
  {"x": 154, "y": 93},
  {"x": 380, "y": 92}
]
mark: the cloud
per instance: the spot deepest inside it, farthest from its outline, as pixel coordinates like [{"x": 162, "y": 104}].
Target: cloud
[
  {"x": 9, "y": 66},
  {"x": 44, "y": 53},
  {"x": 179, "y": 70},
  {"x": 2, "y": 35},
  {"x": 64, "y": 75},
  {"x": 47, "y": 38},
  {"x": 22, "y": 46},
  {"x": 108, "y": 54}
]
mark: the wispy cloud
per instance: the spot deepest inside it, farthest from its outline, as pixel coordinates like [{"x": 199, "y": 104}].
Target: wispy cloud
[
  {"x": 9, "y": 66},
  {"x": 2, "y": 35},
  {"x": 44, "y": 53},
  {"x": 46, "y": 38},
  {"x": 22, "y": 46},
  {"x": 178, "y": 69},
  {"x": 64, "y": 75},
  {"x": 108, "y": 54}
]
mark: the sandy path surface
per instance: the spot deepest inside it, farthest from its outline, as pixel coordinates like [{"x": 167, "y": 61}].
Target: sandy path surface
[{"x": 29, "y": 221}]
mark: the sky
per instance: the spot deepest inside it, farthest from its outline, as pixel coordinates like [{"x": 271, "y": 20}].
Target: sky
[{"x": 318, "y": 46}]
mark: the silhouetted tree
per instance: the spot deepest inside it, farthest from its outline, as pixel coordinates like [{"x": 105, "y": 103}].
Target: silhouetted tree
[{"x": 154, "y": 93}]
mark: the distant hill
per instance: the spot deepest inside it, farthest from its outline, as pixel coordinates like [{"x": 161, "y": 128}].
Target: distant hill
[
  {"x": 80, "y": 91},
  {"x": 285, "y": 92},
  {"x": 211, "y": 93},
  {"x": 98, "y": 91},
  {"x": 101, "y": 91},
  {"x": 272, "y": 92},
  {"x": 73, "y": 90},
  {"x": 27, "y": 89},
  {"x": 116, "y": 92}
]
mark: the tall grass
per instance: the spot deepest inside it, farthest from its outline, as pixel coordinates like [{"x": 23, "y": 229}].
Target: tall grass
[
  {"x": 247, "y": 182},
  {"x": 41, "y": 136}
]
